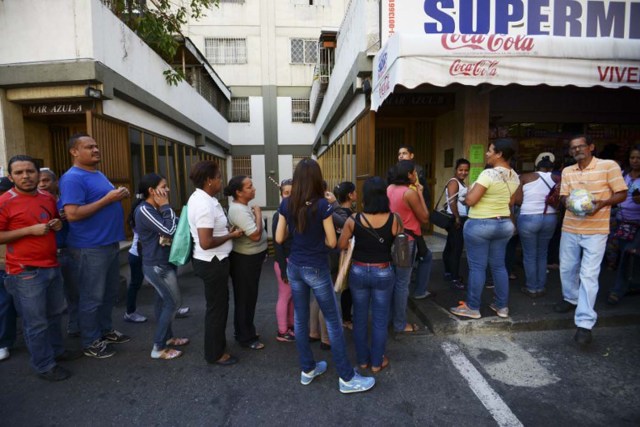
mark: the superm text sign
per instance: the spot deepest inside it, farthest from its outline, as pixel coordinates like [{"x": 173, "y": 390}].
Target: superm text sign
[{"x": 561, "y": 18}]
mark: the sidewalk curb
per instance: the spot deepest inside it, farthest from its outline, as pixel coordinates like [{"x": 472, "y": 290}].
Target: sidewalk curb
[{"x": 441, "y": 322}]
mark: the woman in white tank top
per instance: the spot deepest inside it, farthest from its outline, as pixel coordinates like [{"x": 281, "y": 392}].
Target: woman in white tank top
[
  {"x": 455, "y": 193},
  {"x": 536, "y": 224}
]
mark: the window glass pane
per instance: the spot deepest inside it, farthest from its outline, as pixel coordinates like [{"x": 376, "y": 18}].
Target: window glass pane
[
  {"x": 136, "y": 156},
  {"x": 176, "y": 198},
  {"x": 310, "y": 51},
  {"x": 297, "y": 51},
  {"x": 149, "y": 154},
  {"x": 162, "y": 157}
]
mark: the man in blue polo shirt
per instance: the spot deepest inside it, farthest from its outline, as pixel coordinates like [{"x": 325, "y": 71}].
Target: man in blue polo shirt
[{"x": 96, "y": 226}]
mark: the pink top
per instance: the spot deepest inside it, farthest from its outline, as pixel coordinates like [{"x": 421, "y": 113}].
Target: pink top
[{"x": 399, "y": 206}]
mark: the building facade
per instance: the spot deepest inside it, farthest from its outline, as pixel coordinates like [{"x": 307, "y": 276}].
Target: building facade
[
  {"x": 448, "y": 77},
  {"x": 69, "y": 67},
  {"x": 266, "y": 51}
]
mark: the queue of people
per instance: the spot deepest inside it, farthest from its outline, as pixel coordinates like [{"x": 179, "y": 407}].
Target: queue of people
[{"x": 64, "y": 243}]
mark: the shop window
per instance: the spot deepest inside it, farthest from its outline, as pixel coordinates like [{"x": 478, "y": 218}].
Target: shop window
[
  {"x": 239, "y": 110},
  {"x": 300, "y": 110},
  {"x": 304, "y": 51},
  {"x": 225, "y": 50}
]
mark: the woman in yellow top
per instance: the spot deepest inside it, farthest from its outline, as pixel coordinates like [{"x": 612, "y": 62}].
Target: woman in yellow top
[{"x": 488, "y": 230}]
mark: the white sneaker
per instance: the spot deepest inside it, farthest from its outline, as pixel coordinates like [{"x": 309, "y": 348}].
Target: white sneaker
[
  {"x": 4, "y": 353},
  {"x": 134, "y": 317}
]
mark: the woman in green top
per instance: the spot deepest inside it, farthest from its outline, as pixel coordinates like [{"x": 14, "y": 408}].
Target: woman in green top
[{"x": 488, "y": 230}]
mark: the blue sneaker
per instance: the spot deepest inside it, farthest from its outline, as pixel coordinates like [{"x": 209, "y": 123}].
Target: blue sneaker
[
  {"x": 307, "y": 377},
  {"x": 357, "y": 384}
]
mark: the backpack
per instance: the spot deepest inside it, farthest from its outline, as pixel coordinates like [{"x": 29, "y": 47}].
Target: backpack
[
  {"x": 182, "y": 246},
  {"x": 553, "y": 196}
]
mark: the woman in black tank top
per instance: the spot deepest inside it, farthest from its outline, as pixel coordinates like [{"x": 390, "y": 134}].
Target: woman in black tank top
[{"x": 371, "y": 276}]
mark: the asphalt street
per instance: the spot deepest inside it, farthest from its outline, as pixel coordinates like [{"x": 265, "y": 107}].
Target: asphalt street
[{"x": 525, "y": 378}]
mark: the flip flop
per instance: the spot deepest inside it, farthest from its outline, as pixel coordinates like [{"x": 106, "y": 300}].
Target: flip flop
[
  {"x": 256, "y": 345},
  {"x": 413, "y": 328},
  {"x": 178, "y": 341},
  {"x": 168, "y": 354}
]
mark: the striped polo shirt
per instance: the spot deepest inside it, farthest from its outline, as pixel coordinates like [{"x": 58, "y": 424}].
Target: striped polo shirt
[{"x": 601, "y": 178}]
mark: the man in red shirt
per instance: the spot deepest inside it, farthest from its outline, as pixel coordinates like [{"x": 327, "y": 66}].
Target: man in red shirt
[{"x": 27, "y": 217}]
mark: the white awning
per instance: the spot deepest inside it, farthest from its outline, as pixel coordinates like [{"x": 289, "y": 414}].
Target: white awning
[{"x": 440, "y": 60}]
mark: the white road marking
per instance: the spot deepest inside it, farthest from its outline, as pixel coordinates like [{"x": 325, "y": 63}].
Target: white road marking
[
  {"x": 480, "y": 387},
  {"x": 517, "y": 367}
]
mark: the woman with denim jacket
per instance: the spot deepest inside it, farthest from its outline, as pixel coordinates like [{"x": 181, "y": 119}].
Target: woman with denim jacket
[
  {"x": 371, "y": 276},
  {"x": 306, "y": 216},
  {"x": 156, "y": 223}
]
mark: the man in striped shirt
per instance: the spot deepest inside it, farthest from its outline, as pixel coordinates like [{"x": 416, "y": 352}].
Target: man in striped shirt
[{"x": 584, "y": 238}]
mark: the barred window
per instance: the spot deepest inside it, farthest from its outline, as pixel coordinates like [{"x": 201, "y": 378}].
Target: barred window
[
  {"x": 304, "y": 51},
  {"x": 300, "y": 110},
  {"x": 239, "y": 110},
  {"x": 241, "y": 165},
  {"x": 225, "y": 51}
]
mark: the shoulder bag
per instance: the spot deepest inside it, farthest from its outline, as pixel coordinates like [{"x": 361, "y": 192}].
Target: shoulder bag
[
  {"x": 441, "y": 217},
  {"x": 401, "y": 248},
  {"x": 182, "y": 244}
]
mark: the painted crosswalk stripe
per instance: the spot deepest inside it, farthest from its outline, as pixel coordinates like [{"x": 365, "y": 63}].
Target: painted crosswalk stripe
[{"x": 480, "y": 387}]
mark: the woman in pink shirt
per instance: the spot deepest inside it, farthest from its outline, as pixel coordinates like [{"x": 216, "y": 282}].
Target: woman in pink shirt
[{"x": 409, "y": 204}]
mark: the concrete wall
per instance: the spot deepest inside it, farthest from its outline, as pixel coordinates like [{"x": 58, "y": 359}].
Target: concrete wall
[
  {"x": 289, "y": 132},
  {"x": 251, "y": 133}
]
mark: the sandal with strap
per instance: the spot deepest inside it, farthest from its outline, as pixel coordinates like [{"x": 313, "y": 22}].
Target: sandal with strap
[
  {"x": 166, "y": 353},
  {"x": 385, "y": 363},
  {"x": 178, "y": 341}
]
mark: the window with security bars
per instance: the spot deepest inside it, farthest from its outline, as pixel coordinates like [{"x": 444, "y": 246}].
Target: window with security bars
[
  {"x": 225, "y": 51},
  {"x": 304, "y": 51},
  {"x": 241, "y": 165},
  {"x": 300, "y": 110},
  {"x": 239, "y": 110}
]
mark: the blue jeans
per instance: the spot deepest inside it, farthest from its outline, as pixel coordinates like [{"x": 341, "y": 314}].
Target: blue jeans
[
  {"x": 70, "y": 290},
  {"x": 165, "y": 281},
  {"x": 39, "y": 299},
  {"x": 401, "y": 294},
  {"x": 303, "y": 280},
  {"x": 580, "y": 259},
  {"x": 7, "y": 316},
  {"x": 97, "y": 274},
  {"x": 370, "y": 286},
  {"x": 423, "y": 273},
  {"x": 535, "y": 233},
  {"x": 486, "y": 241},
  {"x": 135, "y": 267}
]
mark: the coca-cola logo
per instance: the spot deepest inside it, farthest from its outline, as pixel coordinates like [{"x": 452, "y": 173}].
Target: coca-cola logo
[
  {"x": 493, "y": 43},
  {"x": 482, "y": 68}
]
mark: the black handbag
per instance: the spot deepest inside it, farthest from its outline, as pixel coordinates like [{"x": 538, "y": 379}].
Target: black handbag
[{"x": 440, "y": 217}]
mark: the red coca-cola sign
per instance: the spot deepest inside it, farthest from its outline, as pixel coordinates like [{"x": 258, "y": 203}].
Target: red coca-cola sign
[
  {"x": 497, "y": 43},
  {"x": 482, "y": 68}
]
